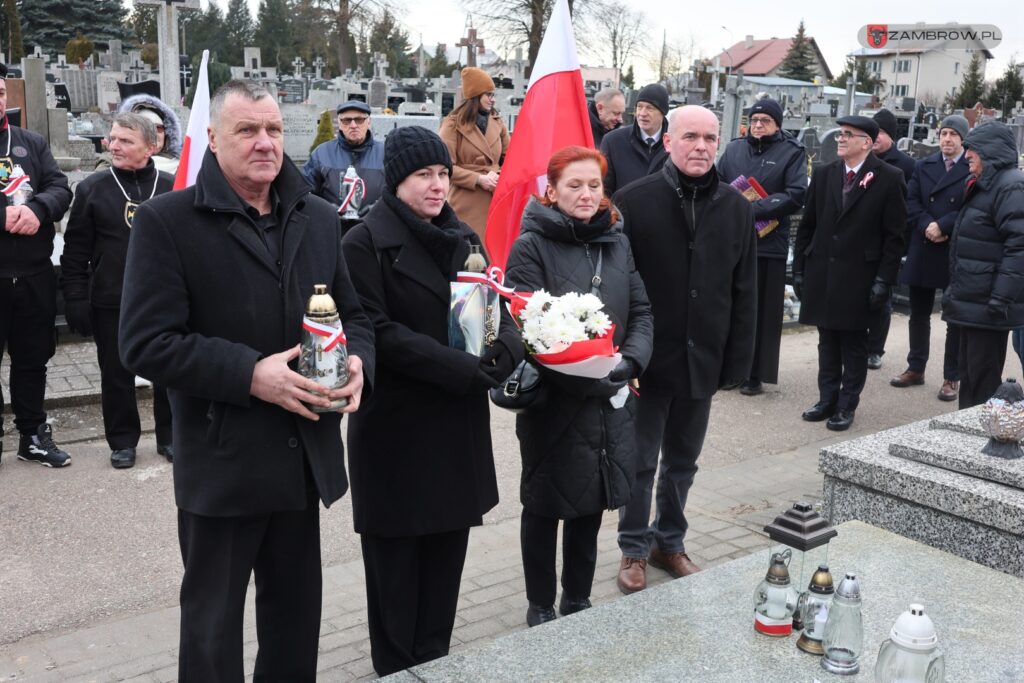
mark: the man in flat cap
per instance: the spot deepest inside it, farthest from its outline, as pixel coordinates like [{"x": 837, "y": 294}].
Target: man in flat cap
[
  {"x": 638, "y": 150},
  {"x": 846, "y": 257},
  {"x": 355, "y": 147}
]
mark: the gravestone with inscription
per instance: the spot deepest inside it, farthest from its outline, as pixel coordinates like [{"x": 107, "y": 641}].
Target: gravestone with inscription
[
  {"x": 829, "y": 146},
  {"x": 300, "y": 126},
  {"x": 291, "y": 90},
  {"x": 108, "y": 96}
]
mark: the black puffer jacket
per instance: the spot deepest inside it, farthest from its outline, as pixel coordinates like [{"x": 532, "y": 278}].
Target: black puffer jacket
[
  {"x": 986, "y": 254},
  {"x": 578, "y": 452}
]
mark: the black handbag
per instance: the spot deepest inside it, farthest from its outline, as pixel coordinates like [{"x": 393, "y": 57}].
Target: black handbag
[{"x": 521, "y": 391}]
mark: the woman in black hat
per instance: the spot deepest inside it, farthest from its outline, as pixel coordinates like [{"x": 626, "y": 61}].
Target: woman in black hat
[{"x": 420, "y": 457}]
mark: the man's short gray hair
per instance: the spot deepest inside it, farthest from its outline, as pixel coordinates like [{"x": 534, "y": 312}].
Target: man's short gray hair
[
  {"x": 605, "y": 95},
  {"x": 250, "y": 90},
  {"x": 138, "y": 123}
]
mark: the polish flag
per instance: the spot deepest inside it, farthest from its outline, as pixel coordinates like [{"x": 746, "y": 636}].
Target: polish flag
[
  {"x": 196, "y": 140},
  {"x": 554, "y": 115}
]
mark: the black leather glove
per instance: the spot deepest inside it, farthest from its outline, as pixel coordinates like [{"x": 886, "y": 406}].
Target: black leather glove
[
  {"x": 798, "y": 285},
  {"x": 879, "y": 295},
  {"x": 482, "y": 381},
  {"x": 998, "y": 311},
  {"x": 497, "y": 362},
  {"x": 625, "y": 370},
  {"x": 604, "y": 388},
  {"x": 77, "y": 315}
]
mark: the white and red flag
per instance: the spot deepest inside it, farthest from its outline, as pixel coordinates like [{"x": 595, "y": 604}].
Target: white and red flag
[
  {"x": 196, "y": 139},
  {"x": 554, "y": 115}
]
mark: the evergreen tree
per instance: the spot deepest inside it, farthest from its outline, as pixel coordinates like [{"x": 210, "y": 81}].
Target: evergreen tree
[
  {"x": 799, "y": 62},
  {"x": 10, "y": 31},
  {"x": 78, "y": 49},
  {"x": 1008, "y": 89},
  {"x": 205, "y": 31},
  {"x": 628, "y": 78},
  {"x": 49, "y": 23},
  {"x": 273, "y": 33},
  {"x": 438, "y": 64},
  {"x": 238, "y": 32},
  {"x": 141, "y": 24},
  {"x": 866, "y": 82},
  {"x": 972, "y": 87},
  {"x": 389, "y": 38},
  {"x": 324, "y": 131},
  {"x": 217, "y": 74}
]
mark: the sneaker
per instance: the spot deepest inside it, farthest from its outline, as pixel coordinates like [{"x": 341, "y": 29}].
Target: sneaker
[{"x": 40, "y": 448}]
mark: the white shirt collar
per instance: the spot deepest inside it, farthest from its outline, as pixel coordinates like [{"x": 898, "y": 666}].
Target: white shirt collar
[{"x": 855, "y": 169}]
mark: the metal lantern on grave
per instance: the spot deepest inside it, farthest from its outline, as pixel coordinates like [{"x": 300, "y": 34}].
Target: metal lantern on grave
[{"x": 805, "y": 534}]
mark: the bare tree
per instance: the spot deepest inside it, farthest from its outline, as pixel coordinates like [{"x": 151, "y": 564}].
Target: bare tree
[{"x": 624, "y": 32}]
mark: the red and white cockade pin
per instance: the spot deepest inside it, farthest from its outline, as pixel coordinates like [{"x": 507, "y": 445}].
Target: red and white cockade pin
[{"x": 868, "y": 177}]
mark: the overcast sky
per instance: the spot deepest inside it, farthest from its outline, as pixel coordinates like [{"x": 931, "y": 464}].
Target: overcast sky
[{"x": 714, "y": 26}]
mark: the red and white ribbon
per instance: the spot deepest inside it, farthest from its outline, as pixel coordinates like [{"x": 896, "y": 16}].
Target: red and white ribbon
[
  {"x": 358, "y": 182},
  {"x": 15, "y": 184},
  {"x": 494, "y": 278},
  {"x": 333, "y": 335}
]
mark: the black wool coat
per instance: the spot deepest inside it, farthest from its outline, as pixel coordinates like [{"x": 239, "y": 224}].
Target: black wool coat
[
  {"x": 701, "y": 280},
  {"x": 629, "y": 157},
  {"x": 900, "y": 160},
  {"x": 841, "y": 251},
  {"x": 202, "y": 303},
  {"x": 579, "y": 453},
  {"x": 420, "y": 452},
  {"x": 932, "y": 195}
]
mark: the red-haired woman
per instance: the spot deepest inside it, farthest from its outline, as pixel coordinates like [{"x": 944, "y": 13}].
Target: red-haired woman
[{"x": 578, "y": 451}]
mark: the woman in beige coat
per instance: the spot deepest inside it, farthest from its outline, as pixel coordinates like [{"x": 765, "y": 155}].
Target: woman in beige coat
[{"x": 477, "y": 140}]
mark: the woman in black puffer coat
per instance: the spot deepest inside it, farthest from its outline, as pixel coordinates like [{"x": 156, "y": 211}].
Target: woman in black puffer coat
[{"x": 578, "y": 451}]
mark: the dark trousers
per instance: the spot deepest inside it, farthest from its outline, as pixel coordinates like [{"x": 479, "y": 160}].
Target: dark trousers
[
  {"x": 982, "y": 356},
  {"x": 922, "y": 301},
  {"x": 282, "y": 549},
  {"x": 878, "y": 328},
  {"x": 676, "y": 426},
  {"x": 121, "y": 423},
  {"x": 771, "y": 287},
  {"x": 28, "y": 308},
  {"x": 412, "y": 589},
  {"x": 539, "y": 536},
  {"x": 842, "y": 366}
]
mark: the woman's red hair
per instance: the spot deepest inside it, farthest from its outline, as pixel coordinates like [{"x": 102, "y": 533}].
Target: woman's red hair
[{"x": 570, "y": 155}]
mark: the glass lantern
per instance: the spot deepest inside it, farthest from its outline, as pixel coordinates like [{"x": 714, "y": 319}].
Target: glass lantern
[
  {"x": 775, "y": 598},
  {"x": 806, "y": 535},
  {"x": 843, "y": 640},
  {"x": 911, "y": 653},
  {"x": 815, "y": 603}
]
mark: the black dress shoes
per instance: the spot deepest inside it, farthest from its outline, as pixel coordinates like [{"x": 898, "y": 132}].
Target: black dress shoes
[
  {"x": 841, "y": 421},
  {"x": 539, "y": 614},
  {"x": 818, "y": 412},
  {"x": 166, "y": 450},
  {"x": 569, "y": 605},
  {"x": 123, "y": 458},
  {"x": 874, "y": 361}
]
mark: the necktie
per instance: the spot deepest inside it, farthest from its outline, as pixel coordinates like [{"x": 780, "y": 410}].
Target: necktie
[
  {"x": 650, "y": 142},
  {"x": 848, "y": 182},
  {"x": 949, "y": 164}
]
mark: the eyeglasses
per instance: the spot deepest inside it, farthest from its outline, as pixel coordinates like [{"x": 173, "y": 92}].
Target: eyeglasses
[
  {"x": 846, "y": 135},
  {"x": 761, "y": 121},
  {"x": 488, "y": 94},
  {"x": 349, "y": 120}
]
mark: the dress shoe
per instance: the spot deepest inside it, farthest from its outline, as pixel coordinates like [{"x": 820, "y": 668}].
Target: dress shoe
[
  {"x": 537, "y": 614},
  {"x": 567, "y": 605},
  {"x": 909, "y": 378},
  {"x": 632, "y": 575},
  {"x": 123, "y": 458},
  {"x": 166, "y": 450},
  {"x": 751, "y": 387},
  {"x": 676, "y": 564},
  {"x": 819, "y": 411},
  {"x": 950, "y": 390},
  {"x": 841, "y": 421},
  {"x": 874, "y": 361}
]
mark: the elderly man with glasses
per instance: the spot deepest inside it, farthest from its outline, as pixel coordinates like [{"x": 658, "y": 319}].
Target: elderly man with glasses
[
  {"x": 777, "y": 161},
  {"x": 846, "y": 257},
  {"x": 354, "y": 147}
]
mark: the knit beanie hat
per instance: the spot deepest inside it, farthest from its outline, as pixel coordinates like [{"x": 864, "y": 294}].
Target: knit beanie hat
[
  {"x": 769, "y": 107},
  {"x": 475, "y": 82},
  {"x": 656, "y": 95},
  {"x": 886, "y": 121},
  {"x": 957, "y": 123},
  {"x": 410, "y": 148}
]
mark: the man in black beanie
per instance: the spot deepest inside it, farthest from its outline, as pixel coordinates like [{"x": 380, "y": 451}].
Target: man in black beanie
[{"x": 638, "y": 150}]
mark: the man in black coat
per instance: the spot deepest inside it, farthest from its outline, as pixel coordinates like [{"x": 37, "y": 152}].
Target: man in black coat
[
  {"x": 847, "y": 253},
  {"x": 985, "y": 296},
  {"x": 935, "y": 194},
  {"x": 694, "y": 245},
  {"x": 636, "y": 151},
  {"x": 885, "y": 148},
  {"x": 34, "y": 195},
  {"x": 606, "y": 113},
  {"x": 215, "y": 289}
]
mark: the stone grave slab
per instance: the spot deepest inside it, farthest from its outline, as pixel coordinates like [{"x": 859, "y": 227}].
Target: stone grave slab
[
  {"x": 959, "y": 452},
  {"x": 300, "y": 125}
]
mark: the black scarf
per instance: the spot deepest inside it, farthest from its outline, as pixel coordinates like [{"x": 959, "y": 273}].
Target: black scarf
[
  {"x": 442, "y": 237},
  {"x": 599, "y": 224},
  {"x": 482, "y": 116}
]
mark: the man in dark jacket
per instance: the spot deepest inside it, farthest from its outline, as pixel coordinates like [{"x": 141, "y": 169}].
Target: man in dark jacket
[
  {"x": 92, "y": 276},
  {"x": 934, "y": 197},
  {"x": 606, "y": 113},
  {"x": 355, "y": 147},
  {"x": 35, "y": 194},
  {"x": 985, "y": 296},
  {"x": 847, "y": 252},
  {"x": 638, "y": 150},
  {"x": 778, "y": 163},
  {"x": 215, "y": 289},
  {"x": 885, "y": 149},
  {"x": 694, "y": 244}
]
